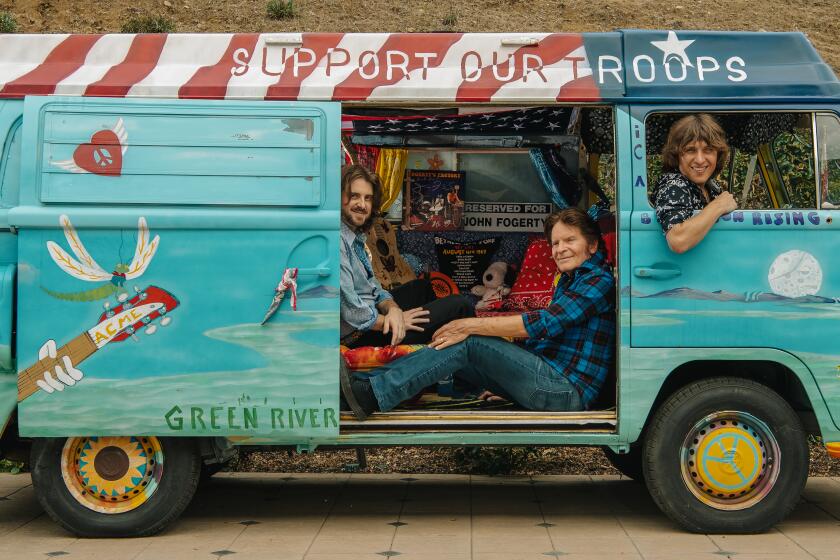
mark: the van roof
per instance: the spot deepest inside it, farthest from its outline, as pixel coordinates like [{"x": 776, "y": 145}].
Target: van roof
[{"x": 504, "y": 68}]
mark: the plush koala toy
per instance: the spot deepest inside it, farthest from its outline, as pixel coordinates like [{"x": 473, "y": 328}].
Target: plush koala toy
[{"x": 493, "y": 287}]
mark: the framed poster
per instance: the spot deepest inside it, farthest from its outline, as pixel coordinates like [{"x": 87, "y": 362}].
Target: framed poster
[{"x": 435, "y": 200}]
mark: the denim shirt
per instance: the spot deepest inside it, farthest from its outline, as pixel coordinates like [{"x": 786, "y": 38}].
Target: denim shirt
[{"x": 361, "y": 292}]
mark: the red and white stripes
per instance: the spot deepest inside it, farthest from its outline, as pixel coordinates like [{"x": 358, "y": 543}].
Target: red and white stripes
[{"x": 469, "y": 67}]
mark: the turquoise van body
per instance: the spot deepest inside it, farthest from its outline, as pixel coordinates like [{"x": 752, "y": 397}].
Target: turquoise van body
[{"x": 152, "y": 200}]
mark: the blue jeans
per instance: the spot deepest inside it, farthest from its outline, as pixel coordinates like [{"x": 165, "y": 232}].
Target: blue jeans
[{"x": 486, "y": 362}]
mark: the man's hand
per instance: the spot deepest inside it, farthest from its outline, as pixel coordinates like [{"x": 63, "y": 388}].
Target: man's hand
[
  {"x": 394, "y": 323},
  {"x": 724, "y": 203},
  {"x": 490, "y": 397},
  {"x": 413, "y": 318},
  {"x": 451, "y": 333},
  {"x": 64, "y": 376}
]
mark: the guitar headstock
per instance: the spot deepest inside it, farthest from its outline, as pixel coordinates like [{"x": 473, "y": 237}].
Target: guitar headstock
[{"x": 146, "y": 309}]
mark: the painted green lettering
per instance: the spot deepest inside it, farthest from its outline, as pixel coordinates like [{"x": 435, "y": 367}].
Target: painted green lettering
[
  {"x": 214, "y": 416},
  {"x": 231, "y": 413},
  {"x": 329, "y": 417},
  {"x": 313, "y": 418},
  {"x": 291, "y": 419},
  {"x": 196, "y": 413},
  {"x": 250, "y": 415},
  {"x": 300, "y": 416},
  {"x": 178, "y": 422},
  {"x": 277, "y": 418}
]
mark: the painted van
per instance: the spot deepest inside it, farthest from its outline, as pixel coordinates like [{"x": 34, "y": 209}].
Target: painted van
[{"x": 155, "y": 189}]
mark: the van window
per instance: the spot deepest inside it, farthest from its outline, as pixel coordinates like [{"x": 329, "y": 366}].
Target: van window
[
  {"x": 176, "y": 154},
  {"x": 771, "y": 163},
  {"x": 828, "y": 152}
]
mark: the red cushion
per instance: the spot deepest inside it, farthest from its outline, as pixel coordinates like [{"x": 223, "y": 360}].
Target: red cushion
[{"x": 535, "y": 284}]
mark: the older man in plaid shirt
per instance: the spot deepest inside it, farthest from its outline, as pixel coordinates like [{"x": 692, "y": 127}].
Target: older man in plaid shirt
[{"x": 564, "y": 360}]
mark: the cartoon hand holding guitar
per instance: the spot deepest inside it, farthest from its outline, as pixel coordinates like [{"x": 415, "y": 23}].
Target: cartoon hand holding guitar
[
  {"x": 57, "y": 367},
  {"x": 65, "y": 374}
]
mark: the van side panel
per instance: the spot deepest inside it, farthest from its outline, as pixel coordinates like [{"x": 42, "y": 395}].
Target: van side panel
[{"x": 159, "y": 288}]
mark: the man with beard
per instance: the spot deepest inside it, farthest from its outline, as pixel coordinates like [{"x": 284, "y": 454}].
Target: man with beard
[{"x": 370, "y": 315}]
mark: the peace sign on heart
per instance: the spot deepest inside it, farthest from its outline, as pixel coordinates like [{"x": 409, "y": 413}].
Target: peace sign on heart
[{"x": 103, "y": 155}]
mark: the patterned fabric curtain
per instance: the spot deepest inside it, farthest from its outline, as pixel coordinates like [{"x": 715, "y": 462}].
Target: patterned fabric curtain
[
  {"x": 549, "y": 178},
  {"x": 367, "y": 156},
  {"x": 391, "y": 170}
]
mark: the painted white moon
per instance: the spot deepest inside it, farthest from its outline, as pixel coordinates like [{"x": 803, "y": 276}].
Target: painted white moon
[{"x": 795, "y": 274}]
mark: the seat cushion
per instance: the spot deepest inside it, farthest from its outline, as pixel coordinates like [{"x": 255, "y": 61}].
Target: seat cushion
[{"x": 369, "y": 357}]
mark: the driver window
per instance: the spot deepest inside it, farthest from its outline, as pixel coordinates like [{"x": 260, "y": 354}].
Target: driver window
[{"x": 771, "y": 160}]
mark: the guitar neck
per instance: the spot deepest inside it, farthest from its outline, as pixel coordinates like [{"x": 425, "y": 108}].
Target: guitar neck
[{"x": 78, "y": 349}]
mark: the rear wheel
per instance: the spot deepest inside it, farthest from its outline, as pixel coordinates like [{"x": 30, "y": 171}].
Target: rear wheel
[
  {"x": 114, "y": 486},
  {"x": 726, "y": 455}
]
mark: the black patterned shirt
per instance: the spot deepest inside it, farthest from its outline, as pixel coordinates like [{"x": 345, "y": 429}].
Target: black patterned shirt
[{"x": 676, "y": 199}]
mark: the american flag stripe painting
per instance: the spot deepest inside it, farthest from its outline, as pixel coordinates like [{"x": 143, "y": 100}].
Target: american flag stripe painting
[{"x": 445, "y": 67}]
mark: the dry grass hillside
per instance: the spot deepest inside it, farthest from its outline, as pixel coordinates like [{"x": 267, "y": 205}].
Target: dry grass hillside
[{"x": 817, "y": 18}]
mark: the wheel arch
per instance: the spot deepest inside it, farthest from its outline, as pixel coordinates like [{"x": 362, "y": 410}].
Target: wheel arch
[{"x": 780, "y": 371}]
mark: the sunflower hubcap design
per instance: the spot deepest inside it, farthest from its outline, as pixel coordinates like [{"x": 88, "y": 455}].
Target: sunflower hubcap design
[
  {"x": 112, "y": 474},
  {"x": 730, "y": 460}
]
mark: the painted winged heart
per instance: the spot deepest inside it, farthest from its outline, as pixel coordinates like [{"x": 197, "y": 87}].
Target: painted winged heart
[{"x": 103, "y": 155}]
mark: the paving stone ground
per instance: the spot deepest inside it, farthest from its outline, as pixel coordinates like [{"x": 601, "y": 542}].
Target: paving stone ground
[{"x": 447, "y": 517}]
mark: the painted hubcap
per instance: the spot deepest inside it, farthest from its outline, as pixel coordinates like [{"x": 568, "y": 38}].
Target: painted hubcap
[
  {"x": 730, "y": 460},
  {"x": 112, "y": 474}
]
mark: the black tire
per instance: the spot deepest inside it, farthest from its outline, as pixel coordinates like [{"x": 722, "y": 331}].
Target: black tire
[
  {"x": 726, "y": 455},
  {"x": 156, "y": 501},
  {"x": 629, "y": 464},
  {"x": 207, "y": 472}
]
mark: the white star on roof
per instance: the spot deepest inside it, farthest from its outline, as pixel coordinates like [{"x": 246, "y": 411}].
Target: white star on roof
[{"x": 673, "y": 47}]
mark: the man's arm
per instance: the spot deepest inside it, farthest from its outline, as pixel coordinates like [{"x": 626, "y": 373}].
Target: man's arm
[
  {"x": 356, "y": 313},
  {"x": 459, "y": 329},
  {"x": 688, "y": 234},
  {"x": 587, "y": 298}
]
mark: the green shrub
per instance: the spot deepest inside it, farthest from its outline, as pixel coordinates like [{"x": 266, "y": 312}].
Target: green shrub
[
  {"x": 9, "y": 466},
  {"x": 280, "y": 9},
  {"x": 450, "y": 20},
  {"x": 493, "y": 460},
  {"x": 8, "y": 23},
  {"x": 149, "y": 24}
]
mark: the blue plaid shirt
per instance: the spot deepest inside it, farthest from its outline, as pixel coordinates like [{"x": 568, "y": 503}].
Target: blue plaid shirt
[
  {"x": 361, "y": 292},
  {"x": 575, "y": 334}
]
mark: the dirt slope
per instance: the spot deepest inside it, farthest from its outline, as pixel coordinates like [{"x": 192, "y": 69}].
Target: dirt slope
[{"x": 819, "y": 19}]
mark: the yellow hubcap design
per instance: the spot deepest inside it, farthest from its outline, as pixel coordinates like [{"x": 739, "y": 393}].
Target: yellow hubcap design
[
  {"x": 730, "y": 460},
  {"x": 112, "y": 474}
]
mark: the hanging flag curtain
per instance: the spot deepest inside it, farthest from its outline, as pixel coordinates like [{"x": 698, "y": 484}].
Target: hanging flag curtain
[
  {"x": 391, "y": 170},
  {"x": 537, "y": 120}
]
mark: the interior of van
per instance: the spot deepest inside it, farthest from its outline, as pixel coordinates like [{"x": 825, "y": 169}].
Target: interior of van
[{"x": 466, "y": 191}]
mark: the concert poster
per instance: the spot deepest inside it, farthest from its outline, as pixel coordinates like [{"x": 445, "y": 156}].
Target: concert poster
[{"x": 435, "y": 200}]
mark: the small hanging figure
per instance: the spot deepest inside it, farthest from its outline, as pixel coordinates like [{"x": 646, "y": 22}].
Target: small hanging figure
[{"x": 289, "y": 282}]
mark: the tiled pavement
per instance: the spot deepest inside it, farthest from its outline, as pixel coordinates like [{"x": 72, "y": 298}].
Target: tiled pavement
[{"x": 348, "y": 517}]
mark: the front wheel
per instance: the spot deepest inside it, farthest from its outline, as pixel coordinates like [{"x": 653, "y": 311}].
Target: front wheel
[
  {"x": 114, "y": 486},
  {"x": 726, "y": 455}
]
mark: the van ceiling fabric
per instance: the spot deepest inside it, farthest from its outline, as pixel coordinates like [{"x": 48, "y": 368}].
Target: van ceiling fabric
[{"x": 535, "y": 120}]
